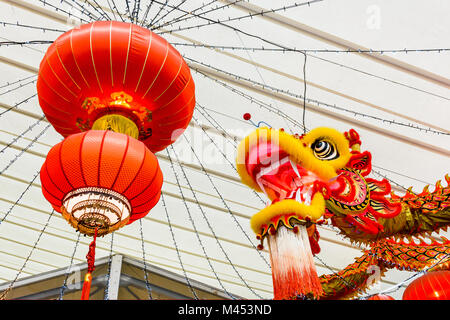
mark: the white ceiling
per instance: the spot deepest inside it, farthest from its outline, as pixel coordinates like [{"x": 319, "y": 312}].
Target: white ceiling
[{"x": 350, "y": 81}]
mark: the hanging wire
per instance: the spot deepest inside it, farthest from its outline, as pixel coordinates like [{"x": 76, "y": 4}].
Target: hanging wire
[
  {"x": 108, "y": 273},
  {"x": 190, "y": 16},
  {"x": 82, "y": 9},
  {"x": 250, "y": 15},
  {"x": 24, "y": 149},
  {"x": 21, "y": 85},
  {"x": 390, "y": 180},
  {"x": 58, "y": 9},
  {"x": 193, "y": 223},
  {"x": 68, "y": 270},
  {"x": 21, "y": 135},
  {"x": 319, "y": 103},
  {"x": 304, "y": 93},
  {"x": 11, "y": 285},
  {"x": 20, "y": 25},
  {"x": 224, "y": 202},
  {"x": 147, "y": 283},
  {"x": 147, "y": 11},
  {"x": 163, "y": 201},
  {"x": 157, "y": 14},
  {"x": 349, "y": 284},
  {"x": 136, "y": 10},
  {"x": 20, "y": 197},
  {"x": 116, "y": 10},
  {"x": 18, "y": 104},
  {"x": 17, "y": 81},
  {"x": 254, "y": 100},
  {"x": 287, "y": 50},
  {"x": 169, "y": 11}
]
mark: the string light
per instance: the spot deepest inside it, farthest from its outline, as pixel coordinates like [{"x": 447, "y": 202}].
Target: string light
[
  {"x": 250, "y": 15},
  {"x": 17, "y": 81},
  {"x": 66, "y": 274},
  {"x": 20, "y": 25},
  {"x": 286, "y": 50},
  {"x": 193, "y": 224},
  {"x": 223, "y": 200},
  {"x": 18, "y": 87},
  {"x": 317, "y": 102},
  {"x": 181, "y": 17},
  {"x": 24, "y": 150},
  {"x": 210, "y": 227},
  {"x": 108, "y": 273},
  {"x": 18, "y": 104},
  {"x": 163, "y": 201},
  {"x": 147, "y": 284},
  {"x": 22, "y": 134},
  {"x": 11, "y": 285}
]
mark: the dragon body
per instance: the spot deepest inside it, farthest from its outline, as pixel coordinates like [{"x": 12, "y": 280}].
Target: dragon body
[{"x": 323, "y": 177}]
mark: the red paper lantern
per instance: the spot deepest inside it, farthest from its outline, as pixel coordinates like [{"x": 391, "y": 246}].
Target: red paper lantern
[
  {"x": 381, "y": 297},
  {"x": 113, "y": 68},
  {"x": 433, "y": 285},
  {"x": 101, "y": 179}
]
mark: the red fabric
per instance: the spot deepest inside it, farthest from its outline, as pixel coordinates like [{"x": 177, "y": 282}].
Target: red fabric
[
  {"x": 103, "y": 159},
  {"x": 106, "y": 57},
  {"x": 434, "y": 285},
  {"x": 381, "y": 297}
]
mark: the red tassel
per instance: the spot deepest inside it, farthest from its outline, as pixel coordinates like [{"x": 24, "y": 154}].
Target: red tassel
[
  {"x": 86, "y": 286},
  {"x": 88, "y": 277}
]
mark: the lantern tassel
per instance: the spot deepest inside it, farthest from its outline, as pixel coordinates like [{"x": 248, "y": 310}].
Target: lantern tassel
[
  {"x": 294, "y": 273},
  {"x": 88, "y": 277}
]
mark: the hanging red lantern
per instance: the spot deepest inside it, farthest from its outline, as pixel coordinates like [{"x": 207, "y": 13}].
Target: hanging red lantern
[
  {"x": 101, "y": 180},
  {"x": 381, "y": 297},
  {"x": 433, "y": 285},
  {"x": 116, "y": 76}
]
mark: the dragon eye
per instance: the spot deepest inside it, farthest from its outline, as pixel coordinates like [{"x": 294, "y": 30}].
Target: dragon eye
[{"x": 324, "y": 150}]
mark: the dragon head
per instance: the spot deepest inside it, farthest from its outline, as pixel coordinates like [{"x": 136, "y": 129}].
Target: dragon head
[{"x": 311, "y": 178}]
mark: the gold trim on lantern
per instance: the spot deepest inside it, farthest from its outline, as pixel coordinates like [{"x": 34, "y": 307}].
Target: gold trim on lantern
[{"x": 117, "y": 123}]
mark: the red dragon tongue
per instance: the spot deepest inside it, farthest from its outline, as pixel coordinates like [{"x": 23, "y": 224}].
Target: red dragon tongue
[{"x": 293, "y": 270}]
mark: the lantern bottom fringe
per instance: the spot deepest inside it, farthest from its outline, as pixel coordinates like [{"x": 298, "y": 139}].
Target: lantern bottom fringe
[{"x": 90, "y": 231}]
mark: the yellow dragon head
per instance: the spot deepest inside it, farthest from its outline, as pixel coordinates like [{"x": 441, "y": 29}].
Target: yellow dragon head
[{"x": 312, "y": 177}]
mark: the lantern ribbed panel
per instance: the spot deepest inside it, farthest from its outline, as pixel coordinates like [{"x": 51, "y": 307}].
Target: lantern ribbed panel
[
  {"x": 434, "y": 285},
  {"x": 106, "y": 57},
  {"x": 103, "y": 159}
]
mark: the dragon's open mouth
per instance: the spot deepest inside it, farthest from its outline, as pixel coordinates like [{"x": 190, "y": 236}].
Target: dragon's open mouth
[{"x": 297, "y": 194}]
